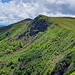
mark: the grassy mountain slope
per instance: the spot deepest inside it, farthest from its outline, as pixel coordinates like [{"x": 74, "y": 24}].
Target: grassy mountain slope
[{"x": 43, "y": 46}]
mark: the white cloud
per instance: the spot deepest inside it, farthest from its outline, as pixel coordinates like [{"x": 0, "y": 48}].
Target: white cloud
[
  {"x": 16, "y": 10},
  {"x": 11, "y": 12}
]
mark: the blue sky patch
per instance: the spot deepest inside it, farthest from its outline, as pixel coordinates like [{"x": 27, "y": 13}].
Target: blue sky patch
[{"x": 3, "y": 1}]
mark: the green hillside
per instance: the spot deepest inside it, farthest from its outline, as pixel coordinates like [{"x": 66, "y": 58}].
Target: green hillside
[{"x": 42, "y": 46}]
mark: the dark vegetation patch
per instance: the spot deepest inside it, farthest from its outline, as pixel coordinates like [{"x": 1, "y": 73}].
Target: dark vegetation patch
[{"x": 62, "y": 66}]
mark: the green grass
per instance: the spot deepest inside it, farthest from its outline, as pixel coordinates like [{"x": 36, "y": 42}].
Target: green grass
[{"x": 42, "y": 53}]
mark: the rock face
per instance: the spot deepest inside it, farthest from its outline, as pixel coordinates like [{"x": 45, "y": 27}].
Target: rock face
[{"x": 39, "y": 25}]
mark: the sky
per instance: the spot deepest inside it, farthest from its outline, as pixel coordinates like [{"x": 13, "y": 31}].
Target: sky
[{"x": 12, "y": 11}]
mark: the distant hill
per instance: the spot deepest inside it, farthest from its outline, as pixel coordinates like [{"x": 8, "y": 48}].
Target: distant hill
[
  {"x": 0, "y": 25},
  {"x": 42, "y": 46}
]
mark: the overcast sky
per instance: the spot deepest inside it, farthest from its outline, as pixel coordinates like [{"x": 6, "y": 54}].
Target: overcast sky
[{"x": 15, "y": 10}]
